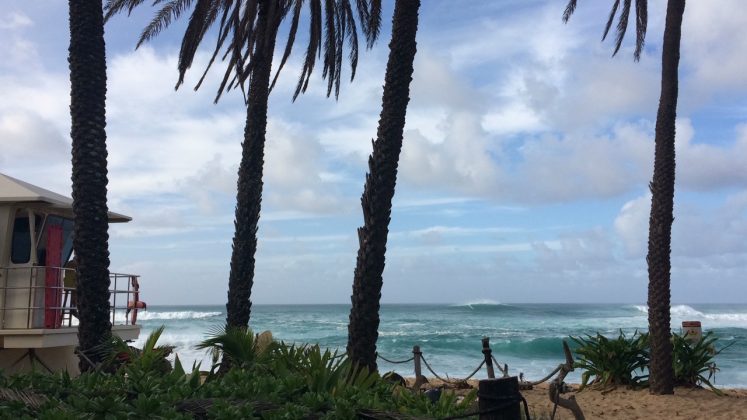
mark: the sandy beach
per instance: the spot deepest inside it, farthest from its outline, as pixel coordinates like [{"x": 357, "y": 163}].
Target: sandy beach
[
  {"x": 623, "y": 403},
  {"x": 639, "y": 404}
]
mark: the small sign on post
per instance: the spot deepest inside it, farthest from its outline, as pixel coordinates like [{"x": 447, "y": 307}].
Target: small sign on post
[{"x": 692, "y": 331}]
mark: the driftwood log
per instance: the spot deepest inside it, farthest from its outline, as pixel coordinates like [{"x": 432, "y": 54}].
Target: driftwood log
[{"x": 556, "y": 387}]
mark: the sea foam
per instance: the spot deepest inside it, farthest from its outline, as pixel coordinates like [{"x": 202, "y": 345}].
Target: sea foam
[
  {"x": 688, "y": 313},
  {"x": 478, "y": 302},
  {"x": 150, "y": 316}
]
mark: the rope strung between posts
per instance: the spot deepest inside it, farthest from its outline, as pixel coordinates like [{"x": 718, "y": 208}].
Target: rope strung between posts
[
  {"x": 504, "y": 370},
  {"x": 396, "y": 362},
  {"x": 549, "y": 375},
  {"x": 449, "y": 381}
]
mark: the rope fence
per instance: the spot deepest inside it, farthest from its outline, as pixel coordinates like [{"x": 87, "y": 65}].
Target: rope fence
[
  {"x": 395, "y": 362},
  {"x": 489, "y": 362},
  {"x": 492, "y": 395}
]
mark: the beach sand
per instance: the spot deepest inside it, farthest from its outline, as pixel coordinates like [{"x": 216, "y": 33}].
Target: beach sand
[{"x": 623, "y": 403}]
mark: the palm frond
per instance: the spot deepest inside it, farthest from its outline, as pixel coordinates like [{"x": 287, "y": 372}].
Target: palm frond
[
  {"x": 222, "y": 35},
  {"x": 611, "y": 19},
  {"x": 641, "y": 22},
  {"x": 569, "y": 9},
  {"x": 172, "y": 10},
  {"x": 242, "y": 31},
  {"x": 374, "y": 22},
  {"x": 622, "y": 25},
  {"x": 314, "y": 47},
  {"x": 112, "y": 7},
  {"x": 330, "y": 44},
  {"x": 297, "y": 6},
  {"x": 202, "y": 18},
  {"x": 352, "y": 39},
  {"x": 641, "y": 11}
]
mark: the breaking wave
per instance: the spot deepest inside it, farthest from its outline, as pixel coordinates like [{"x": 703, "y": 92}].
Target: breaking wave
[
  {"x": 685, "y": 312},
  {"x": 150, "y": 316}
]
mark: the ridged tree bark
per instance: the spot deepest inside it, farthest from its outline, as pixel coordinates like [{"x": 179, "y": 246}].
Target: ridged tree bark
[
  {"x": 87, "y": 58},
  {"x": 379, "y": 187},
  {"x": 661, "y": 379},
  {"x": 249, "y": 195}
]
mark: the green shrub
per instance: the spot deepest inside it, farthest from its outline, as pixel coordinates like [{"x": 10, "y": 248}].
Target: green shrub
[
  {"x": 610, "y": 362},
  {"x": 276, "y": 381},
  {"x": 691, "y": 360}
]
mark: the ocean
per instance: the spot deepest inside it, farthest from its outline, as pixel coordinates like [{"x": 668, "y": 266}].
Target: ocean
[{"x": 527, "y": 337}]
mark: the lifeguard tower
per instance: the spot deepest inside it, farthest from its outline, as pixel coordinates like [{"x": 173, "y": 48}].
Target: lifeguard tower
[{"x": 38, "y": 324}]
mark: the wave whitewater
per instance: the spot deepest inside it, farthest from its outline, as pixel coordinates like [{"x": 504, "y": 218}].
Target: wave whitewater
[
  {"x": 686, "y": 312},
  {"x": 150, "y": 316}
]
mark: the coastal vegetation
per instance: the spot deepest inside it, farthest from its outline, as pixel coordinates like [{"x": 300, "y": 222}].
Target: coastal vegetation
[
  {"x": 271, "y": 380},
  {"x": 252, "y": 376},
  {"x": 609, "y": 362}
]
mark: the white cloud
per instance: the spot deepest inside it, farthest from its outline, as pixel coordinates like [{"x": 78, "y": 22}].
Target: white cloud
[
  {"x": 704, "y": 165},
  {"x": 713, "y": 47},
  {"x": 15, "y": 20},
  {"x": 698, "y": 232},
  {"x": 631, "y": 225},
  {"x": 461, "y": 162}
]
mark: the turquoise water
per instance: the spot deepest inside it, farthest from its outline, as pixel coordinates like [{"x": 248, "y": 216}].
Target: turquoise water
[{"x": 527, "y": 337}]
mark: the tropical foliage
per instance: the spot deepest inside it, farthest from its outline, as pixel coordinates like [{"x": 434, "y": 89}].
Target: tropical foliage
[
  {"x": 247, "y": 32},
  {"x": 608, "y": 362},
  {"x": 282, "y": 381},
  {"x": 692, "y": 360},
  {"x": 611, "y": 362}
]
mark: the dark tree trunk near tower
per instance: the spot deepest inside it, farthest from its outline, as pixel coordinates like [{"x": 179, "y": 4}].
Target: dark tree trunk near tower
[
  {"x": 379, "y": 187},
  {"x": 87, "y": 58}
]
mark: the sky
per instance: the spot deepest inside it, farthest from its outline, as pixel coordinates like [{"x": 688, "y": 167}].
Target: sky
[{"x": 524, "y": 173}]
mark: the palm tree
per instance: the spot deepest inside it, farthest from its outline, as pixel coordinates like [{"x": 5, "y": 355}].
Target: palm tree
[
  {"x": 378, "y": 190},
  {"x": 249, "y": 29},
  {"x": 88, "y": 112},
  {"x": 661, "y": 379}
]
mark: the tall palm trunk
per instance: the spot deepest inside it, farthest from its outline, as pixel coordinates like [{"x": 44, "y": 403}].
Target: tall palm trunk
[
  {"x": 88, "y": 112},
  {"x": 662, "y": 206},
  {"x": 249, "y": 195},
  {"x": 379, "y": 187}
]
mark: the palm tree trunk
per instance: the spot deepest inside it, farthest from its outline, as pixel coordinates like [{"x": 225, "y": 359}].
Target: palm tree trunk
[
  {"x": 661, "y": 378},
  {"x": 249, "y": 195},
  {"x": 379, "y": 187},
  {"x": 88, "y": 112}
]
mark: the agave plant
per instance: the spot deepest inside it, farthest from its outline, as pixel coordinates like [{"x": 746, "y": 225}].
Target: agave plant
[
  {"x": 117, "y": 354},
  {"x": 611, "y": 362},
  {"x": 236, "y": 347},
  {"x": 329, "y": 371},
  {"x": 691, "y": 360}
]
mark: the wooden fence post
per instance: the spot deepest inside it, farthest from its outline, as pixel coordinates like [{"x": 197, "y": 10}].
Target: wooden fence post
[
  {"x": 488, "y": 357},
  {"x": 419, "y": 379}
]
